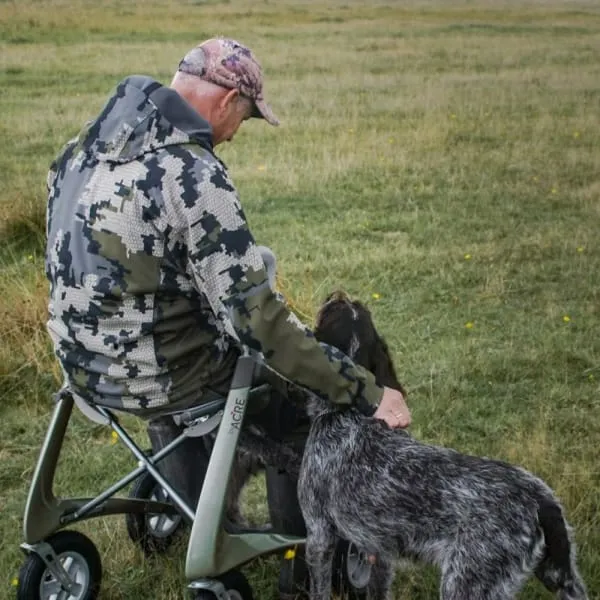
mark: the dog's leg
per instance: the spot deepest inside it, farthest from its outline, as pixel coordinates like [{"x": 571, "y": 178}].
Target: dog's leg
[
  {"x": 464, "y": 579},
  {"x": 244, "y": 466},
  {"x": 271, "y": 452},
  {"x": 382, "y": 576},
  {"x": 253, "y": 453},
  {"x": 320, "y": 547},
  {"x": 455, "y": 585}
]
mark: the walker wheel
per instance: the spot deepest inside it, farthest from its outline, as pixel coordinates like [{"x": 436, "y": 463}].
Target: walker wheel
[
  {"x": 153, "y": 532},
  {"x": 236, "y": 588},
  {"x": 79, "y": 559},
  {"x": 351, "y": 572}
]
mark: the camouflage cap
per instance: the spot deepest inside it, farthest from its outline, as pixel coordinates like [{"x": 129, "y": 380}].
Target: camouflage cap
[{"x": 227, "y": 63}]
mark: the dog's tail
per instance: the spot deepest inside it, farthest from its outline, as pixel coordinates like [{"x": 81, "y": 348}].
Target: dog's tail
[{"x": 558, "y": 571}]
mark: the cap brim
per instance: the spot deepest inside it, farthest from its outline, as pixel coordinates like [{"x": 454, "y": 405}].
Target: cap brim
[{"x": 263, "y": 111}]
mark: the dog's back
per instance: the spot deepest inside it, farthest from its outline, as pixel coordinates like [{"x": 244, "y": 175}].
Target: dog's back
[
  {"x": 412, "y": 495},
  {"x": 394, "y": 496}
]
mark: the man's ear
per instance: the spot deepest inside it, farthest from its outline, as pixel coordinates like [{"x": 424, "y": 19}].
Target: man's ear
[{"x": 229, "y": 99}]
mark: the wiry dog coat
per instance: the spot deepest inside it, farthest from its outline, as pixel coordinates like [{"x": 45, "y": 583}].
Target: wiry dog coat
[{"x": 486, "y": 524}]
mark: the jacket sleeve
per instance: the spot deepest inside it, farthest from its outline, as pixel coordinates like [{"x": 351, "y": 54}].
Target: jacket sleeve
[{"x": 228, "y": 267}]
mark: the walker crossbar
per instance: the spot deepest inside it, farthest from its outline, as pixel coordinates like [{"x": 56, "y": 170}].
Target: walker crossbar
[
  {"x": 145, "y": 462},
  {"x": 44, "y": 513}
]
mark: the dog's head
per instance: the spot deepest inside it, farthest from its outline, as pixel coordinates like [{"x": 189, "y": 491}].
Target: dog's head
[{"x": 347, "y": 325}]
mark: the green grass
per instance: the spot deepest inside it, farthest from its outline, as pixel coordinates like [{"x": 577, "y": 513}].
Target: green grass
[{"x": 438, "y": 160}]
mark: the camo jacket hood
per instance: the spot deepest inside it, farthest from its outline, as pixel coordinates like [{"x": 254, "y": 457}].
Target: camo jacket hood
[
  {"x": 155, "y": 278},
  {"x": 142, "y": 117}
]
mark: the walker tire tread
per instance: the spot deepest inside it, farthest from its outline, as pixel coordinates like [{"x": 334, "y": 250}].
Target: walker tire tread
[
  {"x": 34, "y": 570},
  {"x": 138, "y": 524},
  {"x": 341, "y": 583}
]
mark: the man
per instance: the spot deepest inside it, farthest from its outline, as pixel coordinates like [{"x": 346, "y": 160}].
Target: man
[{"x": 155, "y": 277}]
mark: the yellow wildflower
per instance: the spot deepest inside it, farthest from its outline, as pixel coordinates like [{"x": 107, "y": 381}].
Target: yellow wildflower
[
  {"x": 566, "y": 318},
  {"x": 580, "y": 249},
  {"x": 114, "y": 437},
  {"x": 469, "y": 325},
  {"x": 376, "y": 296},
  {"x": 467, "y": 256}
]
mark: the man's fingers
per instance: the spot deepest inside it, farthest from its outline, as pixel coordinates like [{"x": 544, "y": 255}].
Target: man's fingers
[
  {"x": 396, "y": 421},
  {"x": 404, "y": 420},
  {"x": 391, "y": 420},
  {"x": 393, "y": 409}
]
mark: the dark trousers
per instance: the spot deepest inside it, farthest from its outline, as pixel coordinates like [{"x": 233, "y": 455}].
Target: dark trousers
[{"x": 286, "y": 517}]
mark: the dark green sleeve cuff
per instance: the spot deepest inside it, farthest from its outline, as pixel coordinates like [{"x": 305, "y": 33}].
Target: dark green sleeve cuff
[{"x": 368, "y": 393}]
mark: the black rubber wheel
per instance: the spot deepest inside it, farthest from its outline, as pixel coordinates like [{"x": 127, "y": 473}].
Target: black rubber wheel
[
  {"x": 79, "y": 558},
  {"x": 350, "y": 577},
  {"x": 351, "y": 572},
  {"x": 236, "y": 586},
  {"x": 153, "y": 532}
]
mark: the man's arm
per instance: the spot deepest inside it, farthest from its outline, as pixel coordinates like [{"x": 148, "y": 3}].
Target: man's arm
[{"x": 229, "y": 269}]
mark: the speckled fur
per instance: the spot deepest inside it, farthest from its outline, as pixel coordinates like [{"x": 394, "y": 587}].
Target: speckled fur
[{"x": 486, "y": 524}]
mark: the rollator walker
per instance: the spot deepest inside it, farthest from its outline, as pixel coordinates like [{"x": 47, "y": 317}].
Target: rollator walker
[{"x": 63, "y": 564}]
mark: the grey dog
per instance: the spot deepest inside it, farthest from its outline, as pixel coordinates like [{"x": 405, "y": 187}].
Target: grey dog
[{"x": 486, "y": 524}]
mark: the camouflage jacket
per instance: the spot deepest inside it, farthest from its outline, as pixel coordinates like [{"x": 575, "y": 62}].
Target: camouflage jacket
[{"x": 154, "y": 275}]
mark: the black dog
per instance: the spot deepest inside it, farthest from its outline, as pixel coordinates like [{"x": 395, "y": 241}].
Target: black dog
[{"x": 349, "y": 327}]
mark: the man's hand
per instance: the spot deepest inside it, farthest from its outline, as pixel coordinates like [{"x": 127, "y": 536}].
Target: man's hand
[{"x": 393, "y": 410}]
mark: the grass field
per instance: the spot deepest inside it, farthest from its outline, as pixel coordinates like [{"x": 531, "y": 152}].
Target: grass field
[{"x": 440, "y": 160}]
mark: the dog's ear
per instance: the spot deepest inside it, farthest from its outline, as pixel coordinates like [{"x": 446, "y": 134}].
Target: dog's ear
[{"x": 382, "y": 365}]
